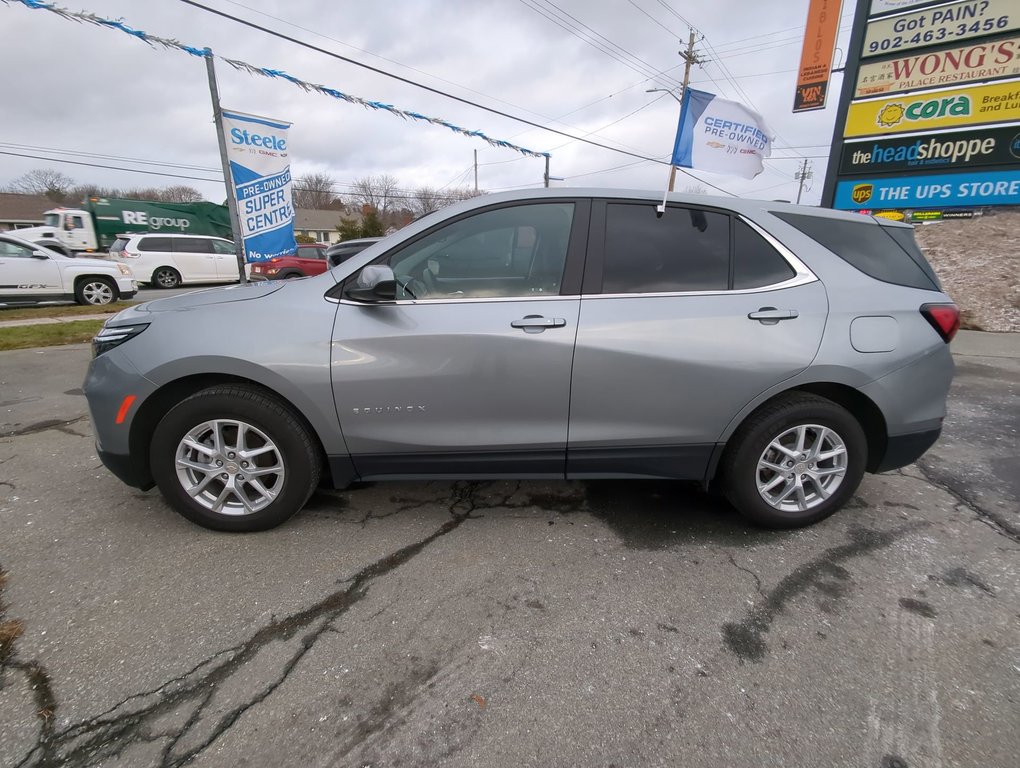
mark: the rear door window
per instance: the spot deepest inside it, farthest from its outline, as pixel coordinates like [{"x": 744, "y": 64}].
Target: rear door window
[
  {"x": 687, "y": 249},
  {"x": 192, "y": 245},
  {"x": 756, "y": 263}
]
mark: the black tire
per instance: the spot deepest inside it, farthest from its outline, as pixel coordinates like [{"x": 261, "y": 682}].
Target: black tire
[
  {"x": 293, "y": 449},
  {"x": 292, "y": 275},
  {"x": 96, "y": 291},
  {"x": 166, "y": 277},
  {"x": 740, "y": 471}
]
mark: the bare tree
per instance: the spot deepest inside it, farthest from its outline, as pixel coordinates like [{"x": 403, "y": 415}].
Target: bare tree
[
  {"x": 180, "y": 193},
  {"x": 87, "y": 190},
  {"x": 695, "y": 189},
  {"x": 375, "y": 191},
  {"x": 314, "y": 191},
  {"x": 426, "y": 199},
  {"x": 43, "y": 181}
]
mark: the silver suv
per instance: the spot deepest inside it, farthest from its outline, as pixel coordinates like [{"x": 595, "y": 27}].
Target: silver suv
[{"x": 779, "y": 351}]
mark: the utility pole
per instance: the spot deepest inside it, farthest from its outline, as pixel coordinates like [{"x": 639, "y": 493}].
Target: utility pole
[
  {"x": 476, "y": 171},
  {"x": 547, "y": 171},
  {"x": 235, "y": 221},
  {"x": 690, "y": 57},
  {"x": 802, "y": 175}
]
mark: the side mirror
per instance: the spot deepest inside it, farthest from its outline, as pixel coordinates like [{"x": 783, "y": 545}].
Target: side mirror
[
  {"x": 376, "y": 284},
  {"x": 40, "y": 255}
]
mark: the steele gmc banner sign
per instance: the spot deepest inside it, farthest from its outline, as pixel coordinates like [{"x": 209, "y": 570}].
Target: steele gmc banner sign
[
  {"x": 957, "y": 189},
  {"x": 942, "y": 24},
  {"x": 936, "y": 69},
  {"x": 942, "y": 151},
  {"x": 995, "y": 103}
]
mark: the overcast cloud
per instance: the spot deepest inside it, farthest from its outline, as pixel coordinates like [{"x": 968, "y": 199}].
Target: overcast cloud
[{"x": 80, "y": 88}]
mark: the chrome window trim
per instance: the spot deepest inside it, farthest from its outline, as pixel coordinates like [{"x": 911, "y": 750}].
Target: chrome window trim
[
  {"x": 474, "y": 300},
  {"x": 802, "y": 275}
]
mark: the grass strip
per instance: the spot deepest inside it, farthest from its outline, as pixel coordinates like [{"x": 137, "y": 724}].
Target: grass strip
[
  {"x": 29, "y": 313},
  {"x": 48, "y": 335}
]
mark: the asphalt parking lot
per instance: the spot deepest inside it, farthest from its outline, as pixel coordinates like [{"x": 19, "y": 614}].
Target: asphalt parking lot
[{"x": 511, "y": 623}]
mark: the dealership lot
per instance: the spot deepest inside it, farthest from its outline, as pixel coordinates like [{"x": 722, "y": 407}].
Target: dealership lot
[{"x": 505, "y": 623}]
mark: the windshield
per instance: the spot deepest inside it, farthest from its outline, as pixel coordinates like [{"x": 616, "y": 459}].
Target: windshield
[{"x": 52, "y": 220}]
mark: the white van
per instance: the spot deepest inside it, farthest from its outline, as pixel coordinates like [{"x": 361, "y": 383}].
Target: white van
[{"x": 169, "y": 261}]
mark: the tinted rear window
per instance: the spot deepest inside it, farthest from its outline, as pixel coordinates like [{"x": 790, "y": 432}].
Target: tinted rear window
[
  {"x": 867, "y": 246},
  {"x": 154, "y": 244},
  {"x": 685, "y": 250},
  {"x": 755, "y": 262},
  {"x": 118, "y": 245},
  {"x": 192, "y": 245}
]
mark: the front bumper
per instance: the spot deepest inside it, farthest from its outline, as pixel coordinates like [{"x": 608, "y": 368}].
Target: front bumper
[{"x": 126, "y": 469}]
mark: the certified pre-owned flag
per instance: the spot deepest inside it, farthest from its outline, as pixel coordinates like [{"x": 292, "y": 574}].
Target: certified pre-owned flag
[
  {"x": 720, "y": 136},
  {"x": 260, "y": 173}
]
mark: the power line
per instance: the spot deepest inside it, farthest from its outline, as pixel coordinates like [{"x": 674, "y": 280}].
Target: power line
[
  {"x": 559, "y": 17},
  {"x": 348, "y": 186},
  {"x": 408, "y": 81}
]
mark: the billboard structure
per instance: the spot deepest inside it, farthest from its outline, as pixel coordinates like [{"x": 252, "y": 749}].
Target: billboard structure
[{"x": 929, "y": 113}]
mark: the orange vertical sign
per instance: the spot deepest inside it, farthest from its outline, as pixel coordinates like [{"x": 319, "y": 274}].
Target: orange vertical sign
[{"x": 816, "y": 56}]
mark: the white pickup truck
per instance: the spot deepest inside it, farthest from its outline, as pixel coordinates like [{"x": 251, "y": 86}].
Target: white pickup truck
[{"x": 30, "y": 273}]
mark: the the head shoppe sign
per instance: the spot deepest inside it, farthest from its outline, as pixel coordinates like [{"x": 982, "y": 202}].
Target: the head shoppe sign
[{"x": 929, "y": 113}]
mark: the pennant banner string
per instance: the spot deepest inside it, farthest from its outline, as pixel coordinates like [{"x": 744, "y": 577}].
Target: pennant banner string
[{"x": 251, "y": 69}]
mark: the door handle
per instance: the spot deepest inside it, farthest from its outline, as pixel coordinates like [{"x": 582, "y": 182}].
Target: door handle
[
  {"x": 771, "y": 315},
  {"x": 537, "y": 323}
]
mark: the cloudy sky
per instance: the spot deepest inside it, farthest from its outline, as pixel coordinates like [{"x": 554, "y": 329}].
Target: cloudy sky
[{"x": 79, "y": 92}]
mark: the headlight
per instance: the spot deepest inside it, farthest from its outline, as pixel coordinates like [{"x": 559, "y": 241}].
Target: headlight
[
  {"x": 125, "y": 270},
  {"x": 108, "y": 338}
]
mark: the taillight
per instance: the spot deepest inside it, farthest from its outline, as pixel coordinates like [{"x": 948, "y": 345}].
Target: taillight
[
  {"x": 944, "y": 318},
  {"x": 129, "y": 255}
]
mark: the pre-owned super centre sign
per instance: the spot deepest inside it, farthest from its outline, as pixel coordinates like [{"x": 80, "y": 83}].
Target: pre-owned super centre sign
[{"x": 941, "y": 24}]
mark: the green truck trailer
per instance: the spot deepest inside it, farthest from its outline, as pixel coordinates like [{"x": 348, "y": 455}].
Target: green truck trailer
[{"x": 93, "y": 227}]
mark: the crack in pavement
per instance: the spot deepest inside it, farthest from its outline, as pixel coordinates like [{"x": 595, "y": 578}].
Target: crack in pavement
[
  {"x": 61, "y": 425},
  {"x": 752, "y": 574},
  {"x": 997, "y": 523},
  {"x": 34, "y": 671},
  {"x": 134, "y": 720},
  {"x": 745, "y": 639}
]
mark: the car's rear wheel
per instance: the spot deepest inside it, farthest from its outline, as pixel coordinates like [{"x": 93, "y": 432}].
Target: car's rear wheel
[
  {"x": 95, "y": 291},
  {"x": 794, "y": 462},
  {"x": 166, "y": 277},
  {"x": 234, "y": 458}
]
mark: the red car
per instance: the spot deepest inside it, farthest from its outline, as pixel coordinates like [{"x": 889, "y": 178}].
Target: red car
[{"x": 310, "y": 259}]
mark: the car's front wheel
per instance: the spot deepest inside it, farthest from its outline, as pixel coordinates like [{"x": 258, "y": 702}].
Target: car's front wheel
[
  {"x": 794, "y": 461},
  {"x": 234, "y": 458},
  {"x": 95, "y": 291}
]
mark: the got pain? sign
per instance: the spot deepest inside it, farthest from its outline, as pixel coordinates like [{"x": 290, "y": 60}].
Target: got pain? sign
[
  {"x": 260, "y": 175},
  {"x": 932, "y": 191}
]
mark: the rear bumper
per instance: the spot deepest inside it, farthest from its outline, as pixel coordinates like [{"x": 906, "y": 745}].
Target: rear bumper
[{"x": 902, "y": 450}]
